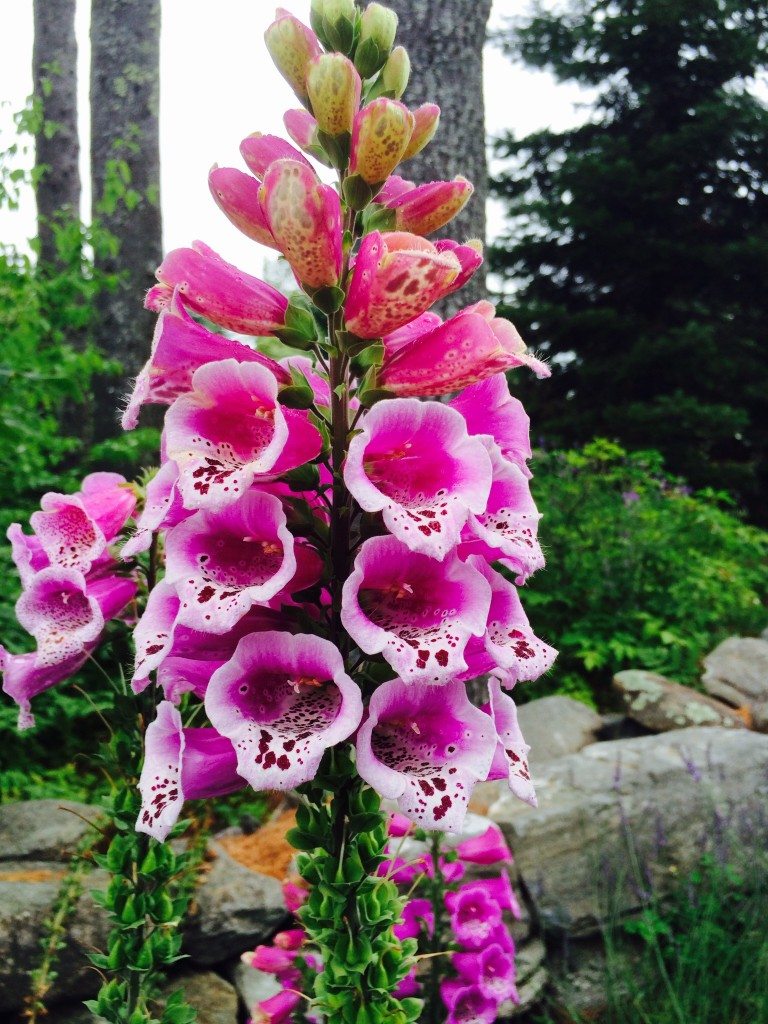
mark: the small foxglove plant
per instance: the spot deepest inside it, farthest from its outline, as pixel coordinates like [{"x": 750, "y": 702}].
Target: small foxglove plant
[
  {"x": 326, "y": 554},
  {"x": 465, "y": 966}
]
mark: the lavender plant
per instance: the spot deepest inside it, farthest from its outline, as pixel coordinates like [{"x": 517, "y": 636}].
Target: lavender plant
[{"x": 323, "y": 560}]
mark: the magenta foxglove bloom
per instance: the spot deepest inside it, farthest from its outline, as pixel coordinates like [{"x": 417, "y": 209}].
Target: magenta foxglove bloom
[
  {"x": 470, "y": 257},
  {"x": 292, "y": 45},
  {"x": 181, "y": 764},
  {"x": 418, "y": 917},
  {"x": 159, "y": 637},
  {"x": 510, "y": 760},
  {"x": 489, "y": 409},
  {"x": 398, "y": 825},
  {"x": 509, "y": 644},
  {"x": 488, "y": 848},
  {"x": 65, "y": 613},
  {"x": 24, "y": 679},
  {"x": 492, "y": 969},
  {"x": 225, "y": 432},
  {"x": 221, "y": 563},
  {"x": 426, "y": 208},
  {"x": 507, "y": 529},
  {"x": 500, "y": 890},
  {"x": 270, "y": 959},
  {"x": 304, "y": 217},
  {"x": 424, "y": 747},
  {"x": 72, "y": 531},
  {"x": 418, "y": 612},
  {"x": 467, "y": 1004},
  {"x": 163, "y": 509},
  {"x": 415, "y": 462},
  {"x": 426, "y": 119},
  {"x": 474, "y": 915},
  {"x": 469, "y": 347},
  {"x": 283, "y": 700},
  {"x": 179, "y": 346},
  {"x": 259, "y": 151},
  {"x": 278, "y": 1009},
  {"x": 302, "y": 128},
  {"x": 237, "y": 196},
  {"x": 222, "y": 293},
  {"x": 396, "y": 277}
]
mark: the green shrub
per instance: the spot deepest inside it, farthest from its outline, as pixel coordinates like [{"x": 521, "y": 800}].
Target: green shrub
[{"x": 640, "y": 571}]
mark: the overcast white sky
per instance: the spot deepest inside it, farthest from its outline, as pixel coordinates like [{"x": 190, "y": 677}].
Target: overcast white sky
[{"x": 218, "y": 85}]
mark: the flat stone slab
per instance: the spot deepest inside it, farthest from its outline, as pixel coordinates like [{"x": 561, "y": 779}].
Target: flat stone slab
[
  {"x": 556, "y": 726},
  {"x": 661, "y": 705},
  {"x": 616, "y": 810},
  {"x": 43, "y": 829}
]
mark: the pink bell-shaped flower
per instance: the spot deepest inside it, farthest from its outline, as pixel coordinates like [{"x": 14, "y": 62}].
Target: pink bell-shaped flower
[
  {"x": 222, "y": 293},
  {"x": 304, "y": 217},
  {"x": 415, "y": 463},
  {"x": 510, "y": 760},
  {"x": 426, "y": 120},
  {"x": 396, "y": 277},
  {"x": 489, "y": 409},
  {"x": 417, "y": 612},
  {"x": 260, "y": 152},
  {"x": 424, "y": 747},
  {"x": 283, "y": 700},
  {"x": 181, "y": 764},
  {"x": 491, "y": 969},
  {"x": 221, "y": 563},
  {"x": 380, "y": 137},
  {"x": 237, "y": 196},
  {"x": 334, "y": 89},
  {"x": 425, "y": 208},
  {"x": 292, "y": 45},
  {"x": 24, "y": 679},
  {"x": 467, "y": 348}
]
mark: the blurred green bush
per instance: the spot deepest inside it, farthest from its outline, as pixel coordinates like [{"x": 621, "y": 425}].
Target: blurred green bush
[{"x": 641, "y": 572}]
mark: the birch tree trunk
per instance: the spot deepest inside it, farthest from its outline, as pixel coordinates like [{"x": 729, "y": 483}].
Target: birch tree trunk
[
  {"x": 125, "y": 170},
  {"x": 57, "y": 146},
  {"x": 445, "y": 39}
]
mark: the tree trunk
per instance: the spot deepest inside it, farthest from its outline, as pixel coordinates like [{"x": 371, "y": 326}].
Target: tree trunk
[
  {"x": 125, "y": 170},
  {"x": 57, "y": 147},
  {"x": 445, "y": 39}
]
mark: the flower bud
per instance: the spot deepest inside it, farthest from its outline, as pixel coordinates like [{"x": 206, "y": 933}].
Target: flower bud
[
  {"x": 334, "y": 23},
  {"x": 382, "y": 132},
  {"x": 426, "y": 120},
  {"x": 334, "y": 88},
  {"x": 396, "y": 72},
  {"x": 378, "y": 26},
  {"x": 292, "y": 46}
]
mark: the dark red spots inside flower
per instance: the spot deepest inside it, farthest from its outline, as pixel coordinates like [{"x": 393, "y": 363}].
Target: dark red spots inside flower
[
  {"x": 205, "y": 595},
  {"x": 154, "y": 649},
  {"x": 426, "y": 788},
  {"x": 442, "y": 808},
  {"x": 283, "y": 763},
  {"x": 441, "y": 657}
]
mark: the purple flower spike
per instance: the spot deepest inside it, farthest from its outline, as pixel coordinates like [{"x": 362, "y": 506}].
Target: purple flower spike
[
  {"x": 283, "y": 700},
  {"x": 415, "y": 462},
  {"x": 425, "y": 747},
  {"x": 489, "y": 409},
  {"x": 468, "y": 1005},
  {"x": 418, "y": 917},
  {"x": 417, "y": 612},
  {"x": 181, "y": 764},
  {"x": 511, "y": 757},
  {"x": 492, "y": 969},
  {"x": 474, "y": 916},
  {"x": 488, "y": 848},
  {"x": 507, "y": 529},
  {"x": 221, "y": 563},
  {"x": 227, "y": 430}
]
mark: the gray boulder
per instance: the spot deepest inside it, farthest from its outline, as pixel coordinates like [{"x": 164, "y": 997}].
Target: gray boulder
[
  {"x": 43, "y": 829},
  {"x": 556, "y": 726},
  {"x": 737, "y": 672},
  {"x": 28, "y": 890},
  {"x": 660, "y": 705},
  {"x": 214, "y": 999},
  {"x": 234, "y": 910},
  {"x": 614, "y": 818}
]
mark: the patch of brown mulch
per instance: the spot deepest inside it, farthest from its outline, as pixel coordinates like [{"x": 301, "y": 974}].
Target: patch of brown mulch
[
  {"x": 266, "y": 850},
  {"x": 31, "y": 875}
]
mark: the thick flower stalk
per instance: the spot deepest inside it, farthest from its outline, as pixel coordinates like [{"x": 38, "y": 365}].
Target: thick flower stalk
[{"x": 328, "y": 551}]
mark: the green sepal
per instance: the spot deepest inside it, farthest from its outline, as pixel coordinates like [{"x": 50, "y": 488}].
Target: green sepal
[
  {"x": 301, "y": 840},
  {"x": 372, "y": 355},
  {"x": 412, "y": 1008},
  {"x": 328, "y": 299},
  {"x": 340, "y": 34},
  {"x": 369, "y": 398},
  {"x": 293, "y": 397},
  {"x": 378, "y": 218},
  {"x": 336, "y": 148},
  {"x": 357, "y": 192},
  {"x": 303, "y": 478},
  {"x": 369, "y": 58}
]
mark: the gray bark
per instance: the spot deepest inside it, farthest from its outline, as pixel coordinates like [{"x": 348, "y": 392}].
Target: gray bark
[
  {"x": 125, "y": 91},
  {"x": 54, "y": 75},
  {"x": 445, "y": 39}
]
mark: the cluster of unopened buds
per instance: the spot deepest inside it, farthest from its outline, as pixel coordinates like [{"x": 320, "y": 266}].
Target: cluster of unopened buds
[
  {"x": 462, "y": 930},
  {"x": 323, "y": 558}
]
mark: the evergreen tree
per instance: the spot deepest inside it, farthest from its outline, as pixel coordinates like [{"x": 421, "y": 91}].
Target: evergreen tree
[{"x": 637, "y": 249}]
